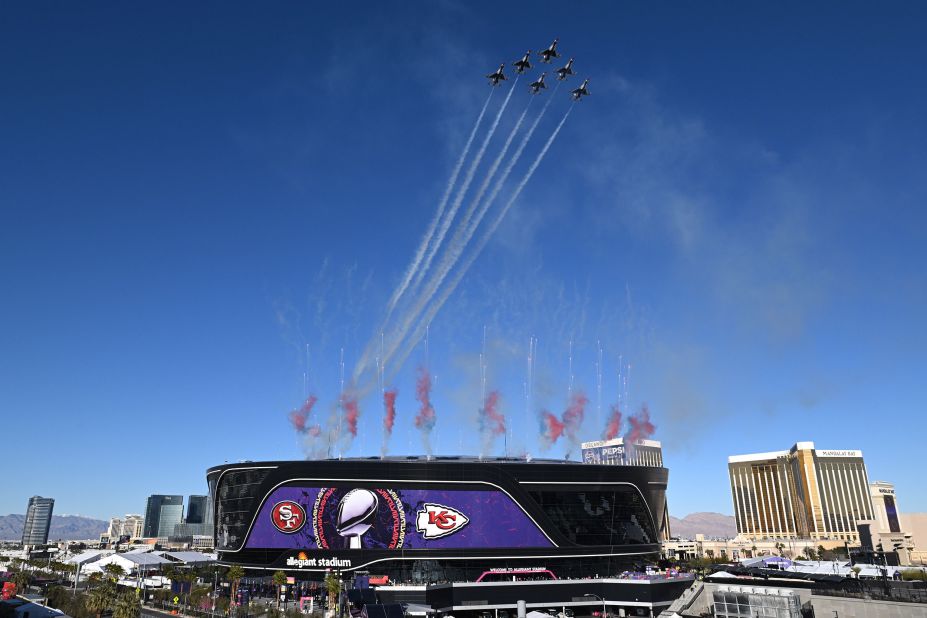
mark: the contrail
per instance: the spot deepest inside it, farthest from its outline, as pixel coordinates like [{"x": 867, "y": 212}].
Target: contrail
[
  {"x": 418, "y": 273},
  {"x": 465, "y": 231},
  {"x": 455, "y": 206},
  {"x": 481, "y": 244},
  {"x": 426, "y": 240}
]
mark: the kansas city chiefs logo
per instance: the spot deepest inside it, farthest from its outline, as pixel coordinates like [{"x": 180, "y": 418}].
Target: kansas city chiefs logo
[
  {"x": 436, "y": 520},
  {"x": 288, "y": 516}
]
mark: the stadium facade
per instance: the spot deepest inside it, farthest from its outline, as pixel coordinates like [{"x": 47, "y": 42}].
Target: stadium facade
[{"x": 427, "y": 520}]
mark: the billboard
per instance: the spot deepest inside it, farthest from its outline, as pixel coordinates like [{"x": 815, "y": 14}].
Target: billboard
[{"x": 340, "y": 518}]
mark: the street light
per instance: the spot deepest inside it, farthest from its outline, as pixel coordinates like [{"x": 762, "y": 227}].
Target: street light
[{"x": 601, "y": 599}]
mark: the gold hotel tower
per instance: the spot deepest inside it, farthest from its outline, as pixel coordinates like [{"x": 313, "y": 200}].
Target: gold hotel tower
[{"x": 802, "y": 493}]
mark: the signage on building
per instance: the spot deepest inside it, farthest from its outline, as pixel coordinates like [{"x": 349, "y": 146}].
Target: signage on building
[{"x": 839, "y": 453}]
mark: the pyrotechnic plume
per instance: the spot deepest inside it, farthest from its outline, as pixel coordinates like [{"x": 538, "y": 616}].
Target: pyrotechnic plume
[
  {"x": 389, "y": 417},
  {"x": 574, "y": 414},
  {"x": 613, "y": 426},
  {"x": 552, "y": 429},
  {"x": 351, "y": 413},
  {"x": 299, "y": 417},
  {"x": 425, "y": 419},
  {"x": 491, "y": 420},
  {"x": 640, "y": 427},
  {"x": 471, "y": 257}
]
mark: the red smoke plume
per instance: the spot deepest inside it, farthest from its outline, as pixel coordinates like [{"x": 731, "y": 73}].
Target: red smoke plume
[
  {"x": 351, "y": 412},
  {"x": 614, "y": 423},
  {"x": 492, "y": 421},
  {"x": 299, "y": 417},
  {"x": 389, "y": 406},
  {"x": 641, "y": 428},
  {"x": 425, "y": 419},
  {"x": 573, "y": 417},
  {"x": 553, "y": 428}
]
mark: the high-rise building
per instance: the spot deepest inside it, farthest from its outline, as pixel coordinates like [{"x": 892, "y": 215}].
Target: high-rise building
[
  {"x": 38, "y": 520},
  {"x": 133, "y": 526},
  {"x": 114, "y": 531},
  {"x": 800, "y": 493},
  {"x": 615, "y": 453},
  {"x": 884, "y": 533},
  {"x": 162, "y": 513},
  {"x": 196, "y": 510}
]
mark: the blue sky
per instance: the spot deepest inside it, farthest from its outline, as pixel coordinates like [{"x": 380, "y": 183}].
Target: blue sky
[{"x": 192, "y": 194}]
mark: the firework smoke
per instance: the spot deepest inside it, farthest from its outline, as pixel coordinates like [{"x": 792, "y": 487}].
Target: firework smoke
[
  {"x": 298, "y": 418},
  {"x": 640, "y": 427},
  {"x": 425, "y": 419},
  {"x": 491, "y": 420},
  {"x": 552, "y": 429},
  {"x": 351, "y": 413},
  {"x": 574, "y": 414},
  {"x": 613, "y": 426},
  {"x": 389, "y": 417}
]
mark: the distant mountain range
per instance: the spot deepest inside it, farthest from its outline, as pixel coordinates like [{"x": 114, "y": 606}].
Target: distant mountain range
[
  {"x": 63, "y": 527},
  {"x": 712, "y": 525}
]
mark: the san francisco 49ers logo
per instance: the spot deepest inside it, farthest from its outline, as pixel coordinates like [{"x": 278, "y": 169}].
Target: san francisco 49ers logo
[
  {"x": 436, "y": 520},
  {"x": 288, "y": 516}
]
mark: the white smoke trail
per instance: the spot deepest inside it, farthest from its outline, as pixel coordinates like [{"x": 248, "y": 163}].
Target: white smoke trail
[
  {"x": 481, "y": 244},
  {"x": 429, "y": 234},
  {"x": 426, "y": 239},
  {"x": 458, "y": 200},
  {"x": 467, "y": 227}
]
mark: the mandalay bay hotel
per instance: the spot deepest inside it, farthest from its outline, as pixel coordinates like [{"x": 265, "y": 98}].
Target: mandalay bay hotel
[{"x": 803, "y": 493}]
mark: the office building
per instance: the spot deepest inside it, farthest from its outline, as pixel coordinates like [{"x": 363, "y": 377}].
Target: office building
[
  {"x": 131, "y": 526},
  {"x": 38, "y": 520},
  {"x": 803, "y": 492},
  {"x": 883, "y": 534},
  {"x": 616, "y": 453},
  {"x": 196, "y": 510},
  {"x": 162, "y": 513}
]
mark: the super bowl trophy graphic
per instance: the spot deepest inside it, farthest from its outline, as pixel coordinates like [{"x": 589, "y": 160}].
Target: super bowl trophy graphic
[{"x": 355, "y": 515}]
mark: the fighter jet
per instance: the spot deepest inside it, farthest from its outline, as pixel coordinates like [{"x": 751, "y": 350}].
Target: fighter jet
[
  {"x": 581, "y": 92},
  {"x": 565, "y": 71},
  {"x": 550, "y": 52},
  {"x": 498, "y": 76},
  {"x": 539, "y": 85},
  {"x": 525, "y": 63}
]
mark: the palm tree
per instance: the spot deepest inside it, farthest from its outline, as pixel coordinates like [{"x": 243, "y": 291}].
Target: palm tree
[
  {"x": 22, "y": 579},
  {"x": 126, "y": 606},
  {"x": 114, "y": 570},
  {"x": 333, "y": 585},
  {"x": 234, "y": 575},
  {"x": 279, "y": 581},
  {"x": 101, "y": 598}
]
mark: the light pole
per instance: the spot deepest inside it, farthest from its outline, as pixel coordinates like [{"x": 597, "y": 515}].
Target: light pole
[{"x": 601, "y": 599}]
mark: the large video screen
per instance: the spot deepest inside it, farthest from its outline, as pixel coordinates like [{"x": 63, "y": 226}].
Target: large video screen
[{"x": 339, "y": 518}]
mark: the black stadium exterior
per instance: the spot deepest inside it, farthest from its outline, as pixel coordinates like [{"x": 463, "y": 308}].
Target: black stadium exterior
[{"x": 440, "y": 519}]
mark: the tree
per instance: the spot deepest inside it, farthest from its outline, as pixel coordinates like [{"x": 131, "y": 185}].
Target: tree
[
  {"x": 780, "y": 548},
  {"x": 821, "y": 551},
  {"x": 114, "y": 571},
  {"x": 126, "y": 606},
  {"x": 333, "y": 586},
  {"x": 101, "y": 598},
  {"x": 234, "y": 575},
  {"x": 753, "y": 552},
  {"x": 856, "y": 571},
  {"x": 22, "y": 579},
  {"x": 279, "y": 582}
]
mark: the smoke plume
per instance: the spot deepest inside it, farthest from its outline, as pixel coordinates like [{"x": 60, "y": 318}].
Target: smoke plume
[
  {"x": 299, "y": 417},
  {"x": 389, "y": 416},
  {"x": 552, "y": 429},
  {"x": 613, "y": 426},
  {"x": 640, "y": 427},
  {"x": 425, "y": 419},
  {"x": 351, "y": 413},
  {"x": 492, "y": 421}
]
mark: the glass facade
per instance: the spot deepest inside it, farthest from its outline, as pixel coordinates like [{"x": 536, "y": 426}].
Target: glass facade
[
  {"x": 153, "y": 515},
  {"x": 38, "y": 520},
  {"x": 237, "y": 501},
  {"x": 614, "y": 517}
]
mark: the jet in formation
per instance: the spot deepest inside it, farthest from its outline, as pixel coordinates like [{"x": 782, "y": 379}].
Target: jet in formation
[
  {"x": 565, "y": 71},
  {"x": 498, "y": 76},
  {"x": 524, "y": 64},
  {"x": 581, "y": 92},
  {"x": 539, "y": 85},
  {"x": 550, "y": 52}
]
